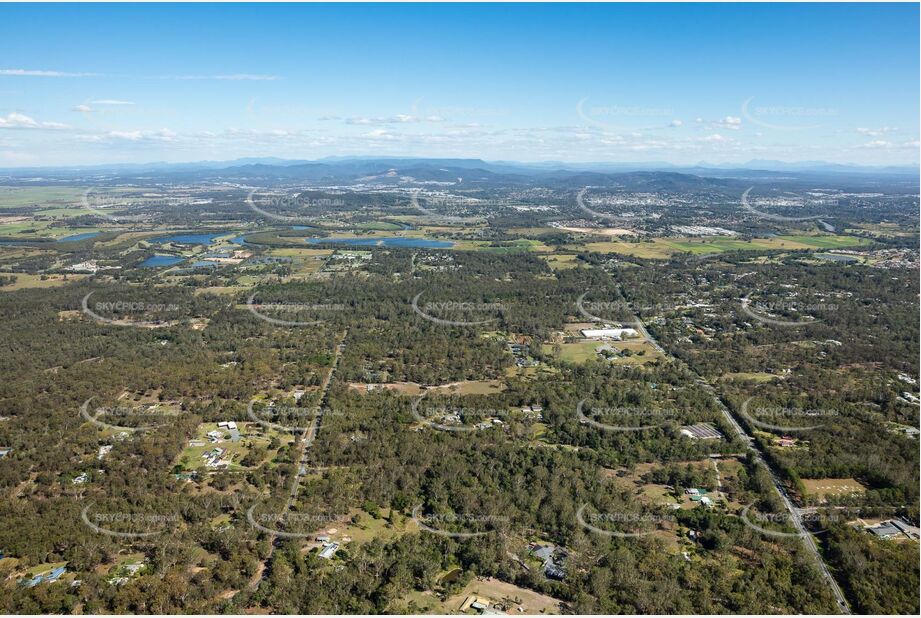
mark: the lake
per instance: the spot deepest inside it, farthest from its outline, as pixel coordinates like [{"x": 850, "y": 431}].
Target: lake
[
  {"x": 76, "y": 237},
  {"x": 160, "y": 260},
  {"x": 187, "y": 239},
  {"x": 393, "y": 241}
]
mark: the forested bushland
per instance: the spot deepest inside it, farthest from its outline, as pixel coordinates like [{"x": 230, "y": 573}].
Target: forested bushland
[{"x": 525, "y": 480}]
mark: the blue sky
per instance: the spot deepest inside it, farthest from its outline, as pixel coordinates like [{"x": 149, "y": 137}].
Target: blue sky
[{"x": 659, "y": 82}]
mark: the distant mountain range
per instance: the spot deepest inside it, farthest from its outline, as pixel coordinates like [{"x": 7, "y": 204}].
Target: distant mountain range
[
  {"x": 503, "y": 167},
  {"x": 478, "y": 174}
]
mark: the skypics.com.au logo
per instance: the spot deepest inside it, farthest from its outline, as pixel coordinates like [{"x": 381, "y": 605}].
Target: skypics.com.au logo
[
  {"x": 786, "y": 117},
  {"x": 293, "y": 419},
  {"x": 616, "y": 311},
  {"x": 761, "y": 214},
  {"x": 771, "y": 312},
  {"x": 127, "y": 525},
  {"x": 630, "y": 118},
  {"x": 131, "y": 312},
  {"x": 628, "y": 418},
  {"x": 119, "y": 415},
  {"x": 622, "y": 524},
  {"x": 456, "y": 418},
  {"x": 301, "y": 207},
  {"x": 115, "y": 205},
  {"x": 457, "y": 525},
  {"x": 441, "y": 203},
  {"x": 313, "y": 313},
  {"x": 433, "y": 310},
  {"x": 291, "y": 524},
  {"x": 758, "y": 521},
  {"x": 769, "y": 417}
]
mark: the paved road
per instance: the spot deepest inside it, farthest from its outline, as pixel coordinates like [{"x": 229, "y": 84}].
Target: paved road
[
  {"x": 795, "y": 513},
  {"x": 311, "y": 434},
  {"x": 306, "y": 441},
  {"x": 641, "y": 328}
]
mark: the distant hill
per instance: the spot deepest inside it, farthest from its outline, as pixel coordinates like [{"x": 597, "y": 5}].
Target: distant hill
[{"x": 405, "y": 171}]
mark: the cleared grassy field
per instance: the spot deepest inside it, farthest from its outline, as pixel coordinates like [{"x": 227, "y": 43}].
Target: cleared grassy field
[
  {"x": 643, "y": 353},
  {"x": 497, "y": 591},
  {"x": 34, "y": 230},
  {"x": 521, "y": 245},
  {"x": 377, "y": 225},
  {"x": 754, "y": 377},
  {"x": 23, "y": 197},
  {"x": 663, "y": 248},
  {"x": 884, "y": 230},
  {"x": 368, "y": 528},
  {"x": 827, "y": 241},
  {"x": 653, "y": 249},
  {"x": 26, "y": 281},
  {"x": 822, "y": 488},
  {"x": 562, "y": 261},
  {"x": 404, "y": 388},
  {"x": 583, "y": 351},
  {"x": 293, "y": 252},
  {"x": 471, "y": 387},
  {"x": 573, "y": 352},
  {"x": 251, "y": 435},
  {"x": 533, "y": 231},
  {"x": 43, "y": 568}
]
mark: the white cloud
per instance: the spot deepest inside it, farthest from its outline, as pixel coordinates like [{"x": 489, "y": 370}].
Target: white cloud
[
  {"x": 88, "y": 108},
  {"x": 876, "y": 132},
  {"x": 675, "y": 123},
  {"x": 716, "y": 137},
  {"x": 138, "y": 135},
  {"x": 15, "y": 120},
  {"x": 395, "y": 119},
  {"x": 881, "y": 144},
  {"x": 730, "y": 122},
  {"x": 35, "y": 73}
]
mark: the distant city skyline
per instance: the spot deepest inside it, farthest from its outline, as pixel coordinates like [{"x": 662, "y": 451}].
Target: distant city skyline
[{"x": 677, "y": 83}]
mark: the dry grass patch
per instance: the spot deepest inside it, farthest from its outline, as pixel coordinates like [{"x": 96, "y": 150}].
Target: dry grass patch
[{"x": 823, "y": 488}]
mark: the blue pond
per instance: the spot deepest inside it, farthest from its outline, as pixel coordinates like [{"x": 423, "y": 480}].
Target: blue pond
[
  {"x": 187, "y": 239},
  {"x": 75, "y": 237},
  {"x": 394, "y": 241},
  {"x": 160, "y": 260}
]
